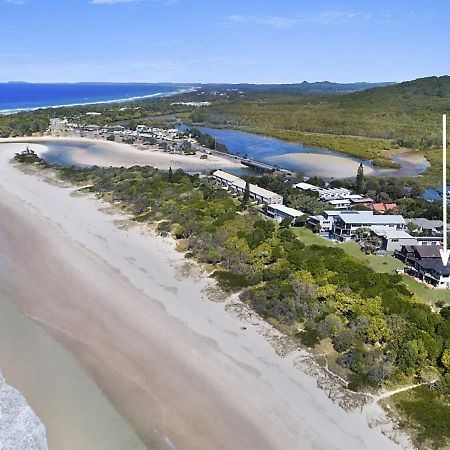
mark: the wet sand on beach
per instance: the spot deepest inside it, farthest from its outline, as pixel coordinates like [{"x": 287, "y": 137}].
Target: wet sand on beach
[
  {"x": 327, "y": 166},
  {"x": 178, "y": 367}
]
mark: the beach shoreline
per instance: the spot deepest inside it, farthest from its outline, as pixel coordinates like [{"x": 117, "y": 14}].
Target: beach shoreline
[
  {"x": 121, "y": 154},
  {"x": 198, "y": 346},
  {"x": 179, "y": 91}
]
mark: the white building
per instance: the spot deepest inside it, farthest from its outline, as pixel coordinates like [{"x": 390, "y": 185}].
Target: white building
[
  {"x": 333, "y": 195},
  {"x": 225, "y": 179},
  {"x": 393, "y": 239},
  {"x": 236, "y": 184},
  {"x": 322, "y": 223},
  {"x": 347, "y": 222},
  {"x": 58, "y": 124},
  {"x": 432, "y": 271},
  {"x": 280, "y": 212},
  {"x": 307, "y": 187},
  {"x": 340, "y": 204}
]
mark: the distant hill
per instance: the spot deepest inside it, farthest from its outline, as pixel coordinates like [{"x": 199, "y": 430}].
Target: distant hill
[
  {"x": 322, "y": 87},
  {"x": 408, "y": 113},
  {"x": 432, "y": 93}
]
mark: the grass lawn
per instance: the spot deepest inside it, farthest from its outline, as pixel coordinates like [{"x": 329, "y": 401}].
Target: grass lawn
[
  {"x": 310, "y": 238},
  {"x": 378, "y": 264}
]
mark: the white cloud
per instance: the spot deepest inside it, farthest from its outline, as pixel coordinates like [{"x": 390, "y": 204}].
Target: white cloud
[
  {"x": 109, "y": 2},
  {"x": 16, "y": 2},
  {"x": 112, "y": 2},
  {"x": 271, "y": 21},
  {"x": 326, "y": 17}
]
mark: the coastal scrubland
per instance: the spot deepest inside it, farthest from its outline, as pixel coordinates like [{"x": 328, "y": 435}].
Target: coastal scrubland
[
  {"x": 404, "y": 113},
  {"x": 382, "y": 333},
  {"x": 371, "y": 124}
]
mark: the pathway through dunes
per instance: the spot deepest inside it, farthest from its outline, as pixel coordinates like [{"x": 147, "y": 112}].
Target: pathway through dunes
[{"x": 178, "y": 367}]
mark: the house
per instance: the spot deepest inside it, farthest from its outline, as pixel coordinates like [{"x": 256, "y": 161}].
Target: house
[
  {"x": 424, "y": 262},
  {"x": 429, "y": 240},
  {"x": 340, "y": 204},
  {"x": 280, "y": 212},
  {"x": 257, "y": 193},
  {"x": 393, "y": 239},
  {"x": 326, "y": 194},
  {"x": 422, "y": 252},
  {"x": 236, "y": 184},
  {"x": 308, "y": 187},
  {"x": 224, "y": 178},
  {"x": 426, "y": 226},
  {"x": 322, "y": 223},
  {"x": 58, "y": 124},
  {"x": 383, "y": 207},
  {"x": 347, "y": 222},
  {"x": 360, "y": 200},
  {"x": 91, "y": 128},
  {"x": 405, "y": 254},
  {"x": 409, "y": 254},
  {"x": 433, "y": 272}
]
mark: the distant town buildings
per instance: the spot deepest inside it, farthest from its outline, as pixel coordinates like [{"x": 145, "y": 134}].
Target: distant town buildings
[{"x": 197, "y": 104}]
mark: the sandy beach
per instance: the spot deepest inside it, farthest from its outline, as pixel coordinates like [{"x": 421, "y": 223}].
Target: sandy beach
[
  {"x": 327, "y": 166},
  {"x": 123, "y": 309},
  {"x": 119, "y": 154}
]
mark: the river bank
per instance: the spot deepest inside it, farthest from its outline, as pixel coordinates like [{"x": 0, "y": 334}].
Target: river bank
[
  {"x": 322, "y": 158},
  {"x": 137, "y": 315},
  {"x": 86, "y": 152}
]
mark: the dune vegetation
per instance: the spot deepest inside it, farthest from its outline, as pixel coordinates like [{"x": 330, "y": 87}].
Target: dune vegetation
[{"x": 382, "y": 334}]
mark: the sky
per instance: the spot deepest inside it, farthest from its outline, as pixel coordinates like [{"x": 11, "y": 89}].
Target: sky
[{"x": 232, "y": 41}]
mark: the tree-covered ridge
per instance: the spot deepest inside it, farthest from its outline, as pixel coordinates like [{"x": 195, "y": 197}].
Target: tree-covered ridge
[{"x": 406, "y": 113}]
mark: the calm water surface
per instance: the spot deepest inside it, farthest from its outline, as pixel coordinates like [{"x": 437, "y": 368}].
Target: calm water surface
[
  {"x": 287, "y": 155},
  {"x": 311, "y": 161}
]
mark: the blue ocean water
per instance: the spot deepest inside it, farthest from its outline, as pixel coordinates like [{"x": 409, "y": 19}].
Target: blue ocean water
[{"x": 24, "y": 96}]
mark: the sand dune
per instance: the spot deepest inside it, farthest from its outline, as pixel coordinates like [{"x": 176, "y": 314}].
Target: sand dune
[{"x": 178, "y": 367}]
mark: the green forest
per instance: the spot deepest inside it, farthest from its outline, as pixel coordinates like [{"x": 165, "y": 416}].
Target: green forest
[
  {"x": 407, "y": 113},
  {"x": 381, "y": 334},
  {"x": 370, "y": 124}
]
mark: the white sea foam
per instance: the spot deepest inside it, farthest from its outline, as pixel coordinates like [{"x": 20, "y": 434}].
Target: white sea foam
[
  {"x": 100, "y": 102},
  {"x": 20, "y": 428}
]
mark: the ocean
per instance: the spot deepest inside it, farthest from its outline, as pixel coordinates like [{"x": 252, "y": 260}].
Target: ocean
[{"x": 16, "y": 97}]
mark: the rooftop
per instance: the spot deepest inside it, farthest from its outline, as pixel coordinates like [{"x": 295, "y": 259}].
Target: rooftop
[
  {"x": 286, "y": 210},
  {"x": 226, "y": 176},
  {"x": 263, "y": 192},
  {"x": 391, "y": 233},
  {"x": 434, "y": 264},
  {"x": 428, "y": 251},
  {"x": 426, "y": 224},
  {"x": 306, "y": 186},
  {"x": 339, "y": 202},
  {"x": 368, "y": 217}
]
